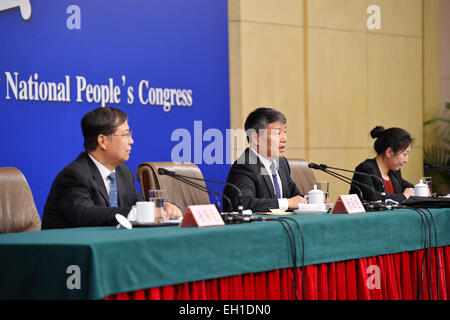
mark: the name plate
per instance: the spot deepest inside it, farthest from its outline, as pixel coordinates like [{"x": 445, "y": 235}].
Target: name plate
[
  {"x": 204, "y": 215},
  {"x": 348, "y": 203}
]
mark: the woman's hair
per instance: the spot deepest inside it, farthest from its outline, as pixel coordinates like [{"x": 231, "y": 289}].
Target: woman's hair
[
  {"x": 100, "y": 121},
  {"x": 396, "y": 138}
]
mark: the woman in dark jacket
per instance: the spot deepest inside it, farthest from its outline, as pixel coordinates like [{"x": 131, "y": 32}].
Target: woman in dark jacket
[{"x": 392, "y": 147}]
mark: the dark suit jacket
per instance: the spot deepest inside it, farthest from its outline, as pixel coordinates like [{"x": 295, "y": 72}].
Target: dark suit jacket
[
  {"x": 370, "y": 166},
  {"x": 258, "y": 194},
  {"x": 78, "y": 196}
]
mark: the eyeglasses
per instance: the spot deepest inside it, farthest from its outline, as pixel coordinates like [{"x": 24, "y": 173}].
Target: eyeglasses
[{"x": 127, "y": 135}]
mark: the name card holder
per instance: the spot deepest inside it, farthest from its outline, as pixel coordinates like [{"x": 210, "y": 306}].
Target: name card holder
[
  {"x": 205, "y": 215},
  {"x": 348, "y": 203}
]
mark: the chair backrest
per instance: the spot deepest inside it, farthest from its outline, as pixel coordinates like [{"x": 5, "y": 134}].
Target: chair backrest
[
  {"x": 17, "y": 208},
  {"x": 302, "y": 175},
  {"x": 176, "y": 192}
]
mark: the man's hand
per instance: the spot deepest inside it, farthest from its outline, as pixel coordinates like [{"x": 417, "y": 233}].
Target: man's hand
[
  {"x": 294, "y": 201},
  {"x": 171, "y": 211}
]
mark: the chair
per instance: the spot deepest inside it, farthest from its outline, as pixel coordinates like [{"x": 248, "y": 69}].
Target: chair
[
  {"x": 17, "y": 208},
  {"x": 302, "y": 175},
  {"x": 176, "y": 191}
]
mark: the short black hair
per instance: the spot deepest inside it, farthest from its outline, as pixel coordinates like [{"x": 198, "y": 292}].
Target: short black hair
[
  {"x": 259, "y": 118},
  {"x": 396, "y": 138},
  {"x": 103, "y": 120}
]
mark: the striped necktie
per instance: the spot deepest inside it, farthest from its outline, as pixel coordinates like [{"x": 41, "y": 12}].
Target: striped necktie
[
  {"x": 273, "y": 168},
  {"x": 113, "y": 190}
]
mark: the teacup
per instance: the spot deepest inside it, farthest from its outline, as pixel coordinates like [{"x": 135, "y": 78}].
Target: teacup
[{"x": 315, "y": 196}]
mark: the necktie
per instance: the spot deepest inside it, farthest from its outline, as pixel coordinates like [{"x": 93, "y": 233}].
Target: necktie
[
  {"x": 273, "y": 168},
  {"x": 113, "y": 190}
]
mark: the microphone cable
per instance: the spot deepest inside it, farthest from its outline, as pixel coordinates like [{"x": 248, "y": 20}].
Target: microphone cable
[
  {"x": 436, "y": 253},
  {"x": 293, "y": 249},
  {"x": 427, "y": 252},
  {"x": 423, "y": 218},
  {"x": 303, "y": 255},
  {"x": 420, "y": 288}
]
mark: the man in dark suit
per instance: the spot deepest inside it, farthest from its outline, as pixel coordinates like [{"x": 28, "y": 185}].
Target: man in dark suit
[
  {"x": 261, "y": 172},
  {"x": 97, "y": 185}
]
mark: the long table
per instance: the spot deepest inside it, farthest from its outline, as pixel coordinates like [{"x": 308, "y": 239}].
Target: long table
[{"x": 97, "y": 262}]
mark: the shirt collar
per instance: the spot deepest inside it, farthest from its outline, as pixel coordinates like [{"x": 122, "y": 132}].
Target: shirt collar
[
  {"x": 104, "y": 172},
  {"x": 266, "y": 162}
]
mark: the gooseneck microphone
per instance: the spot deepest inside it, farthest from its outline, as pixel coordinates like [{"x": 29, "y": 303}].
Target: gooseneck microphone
[
  {"x": 368, "y": 205},
  {"x": 361, "y": 173},
  {"x": 337, "y": 176},
  {"x": 195, "y": 185},
  {"x": 165, "y": 172},
  {"x": 185, "y": 179}
]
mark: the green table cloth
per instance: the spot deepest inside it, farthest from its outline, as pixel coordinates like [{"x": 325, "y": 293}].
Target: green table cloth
[{"x": 39, "y": 265}]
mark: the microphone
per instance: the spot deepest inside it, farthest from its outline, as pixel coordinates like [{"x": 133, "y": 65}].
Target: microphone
[
  {"x": 374, "y": 205},
  {"x": 186, "y": 180},
  {"x": 166, "y": 172},
  {"x": 336, "y": 175},
  {"x": 359, "y": 172},
  {"x": 163, "y": 171},
  {"x": 200, "y": 187},
  {"x": 315, "y": 166}
]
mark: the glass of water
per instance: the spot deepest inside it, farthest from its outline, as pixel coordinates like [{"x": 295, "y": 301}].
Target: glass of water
[{"x": 157, "y": 196}]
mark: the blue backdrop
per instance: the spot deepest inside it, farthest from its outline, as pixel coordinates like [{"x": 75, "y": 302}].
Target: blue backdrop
[{"x": 163, "y": 62}]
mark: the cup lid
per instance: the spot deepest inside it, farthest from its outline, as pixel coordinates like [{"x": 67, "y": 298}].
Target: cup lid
[
  {"x": 315, "y": 190},
  {"x": 421, "y": 184}
]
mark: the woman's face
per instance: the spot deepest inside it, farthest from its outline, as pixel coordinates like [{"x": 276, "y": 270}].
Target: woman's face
[{"x": 395, "y": 161}]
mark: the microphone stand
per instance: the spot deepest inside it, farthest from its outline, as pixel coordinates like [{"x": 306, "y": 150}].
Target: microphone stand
[
  {"x": 337, "y": 176},
  {"x": 197, "y": 186},
  {"x": 162, "y": 171},
  {"x": 368, "y": 205},
  {"x": 383, "y": 193},
  {"x": 184, "y": 179},
  {"x": 240, "y": 207}
]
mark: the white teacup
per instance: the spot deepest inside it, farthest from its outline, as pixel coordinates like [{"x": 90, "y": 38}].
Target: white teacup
[
  {"x": 145, "y": 212},
  {"x": 421, "y": 189},
  {"x": 315, "y": 196}
]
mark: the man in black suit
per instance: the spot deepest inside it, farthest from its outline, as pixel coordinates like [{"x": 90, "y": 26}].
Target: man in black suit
[
  {"x": 97, "y": 185},
  {"x": 261, "y": 172}
]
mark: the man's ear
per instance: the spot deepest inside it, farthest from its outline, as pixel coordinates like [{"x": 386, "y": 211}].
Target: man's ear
[
  {"x": 102, "y": 141},
  {"x": 254, "y": 138}
]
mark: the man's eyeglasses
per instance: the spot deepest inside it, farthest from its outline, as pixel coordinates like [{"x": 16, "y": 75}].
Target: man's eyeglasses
[{"x": 127, "y": 135}]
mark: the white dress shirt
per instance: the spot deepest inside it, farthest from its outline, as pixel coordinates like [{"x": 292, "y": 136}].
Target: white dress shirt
[
  {"x": 104, "y": 172},
  {"x": 283, "y": 203}
]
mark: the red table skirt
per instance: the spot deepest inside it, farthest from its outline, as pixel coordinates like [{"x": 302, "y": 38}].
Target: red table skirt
[{"x": 391, "y": 276}]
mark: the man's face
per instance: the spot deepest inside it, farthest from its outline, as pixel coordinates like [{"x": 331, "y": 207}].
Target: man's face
[
  {"x": 271, "y": 142},
  {"x": 119, "y": 145}
]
